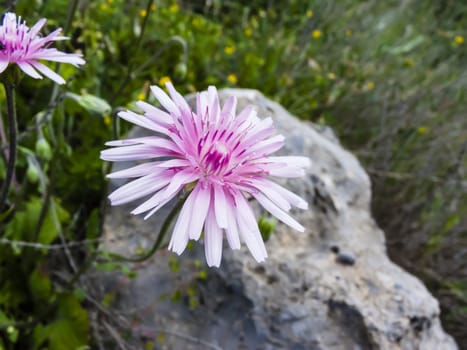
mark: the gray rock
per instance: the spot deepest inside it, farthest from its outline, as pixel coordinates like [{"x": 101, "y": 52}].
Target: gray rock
[{"x": 332, "y": 287}]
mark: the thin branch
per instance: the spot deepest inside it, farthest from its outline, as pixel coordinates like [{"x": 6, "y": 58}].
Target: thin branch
[
  {"x": 12, "y": 135},
  {"x": 115, "y": 335},
  {"x": 33, "y": 245}
]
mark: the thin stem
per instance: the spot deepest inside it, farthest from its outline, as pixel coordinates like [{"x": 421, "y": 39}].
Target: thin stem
[
  {"x": 12, "y": 133},
  {"x": 138, "y": 47},
  {"x": 165, "y": 227},
  {"x": 71, "y": 13}
]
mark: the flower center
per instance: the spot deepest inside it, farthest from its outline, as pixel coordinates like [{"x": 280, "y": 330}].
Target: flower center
[{"x": 216, "y": 159}]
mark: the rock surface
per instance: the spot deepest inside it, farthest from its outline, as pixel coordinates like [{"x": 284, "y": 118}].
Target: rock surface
[{"x": 332, "y": 287}]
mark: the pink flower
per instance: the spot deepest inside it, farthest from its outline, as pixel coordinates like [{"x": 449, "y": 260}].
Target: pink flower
[
  {"x": 221, "y": 156},
  {"x": 22, "y": 45}
]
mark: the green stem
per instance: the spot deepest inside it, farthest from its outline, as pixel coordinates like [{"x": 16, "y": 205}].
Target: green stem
[
  {"x": 165, "y": 227},
  {"x": 12, "y": 133},
  {"x": 71, "y": 13},
  {"x": 135, "y": 54}
]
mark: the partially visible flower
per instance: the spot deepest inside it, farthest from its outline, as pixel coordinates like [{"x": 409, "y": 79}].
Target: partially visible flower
[
  {"x": 309, "y": 13},
  {"x": 232, "y": 78},
  {"x": 370, "y": 86},
  {"x": 230, "y": 49},
  {"x": 248, "y": 32},
  {"x": 24, "y": 46},
  {"x": 220, "y": 157},
  {"x": 164, "y": 80},
  {"x": 316, "y": 34},
  {"x": 422, "y": 130},
  {"x": 459, "y": 39},
  {"x": 143, "y": 13},
  {"x": 173, "y": 8}
]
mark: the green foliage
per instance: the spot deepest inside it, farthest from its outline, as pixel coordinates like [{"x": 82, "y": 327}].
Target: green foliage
[{"x": 68, "y": 330}]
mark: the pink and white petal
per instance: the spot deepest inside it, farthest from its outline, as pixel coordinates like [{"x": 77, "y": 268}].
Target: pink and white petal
[
  {"x": 57, "y": 56},
  {"x": 291, "y": 197},
  {"x": 137, "y": 171},
  {"x": 288, "y": 172},
  {"x": 267, "y": 146},
  {"x": 128, "y": 142},
  {"x": 177, "y": 182},
  {"x": 298, "y": 161},
  {"x": 212, "y": 240},
  {"x": 174, "y": 163},
  {"x": 37, "y": 27},
  {"x": 273, "y": 195},
  {"x": 213, "y": 104},
  {"x": 180, "y": 179},
  {"x": 29, "y": 70},
  {"x": 164, "y": 99},
  {"x": 134, "y": 152},
  {"x": 142, "y": 121},
  {"x": 49, "y": 73},
  {"x": 261, "y": 131},
  {"x": 3, "y": 65},
  {"x": 232, "y": 228},
  {"x": 177, "y": 98},
  {"x": 155, "y": 114},
  {"x": 202, "y": 197},
  {"x": 220, "y": 206},
  {"x": 138, "y": 188},
  {"x": 229, "y": 108},
  {"x": 277, "y": 212},
  {"x": 151, "y": 203},
  {"x": 179, "y": 238},
  {"x": 248, "y": 228},
  {"x": 162, "y": 203}
]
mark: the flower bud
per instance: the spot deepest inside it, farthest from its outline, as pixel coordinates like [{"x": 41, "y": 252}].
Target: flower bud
[
  {"x": 32, "y": 173},
  {"x": 266, "y": 227},
  {"x": 43, "y": 149},
  {"x": 180, "y": 70}
]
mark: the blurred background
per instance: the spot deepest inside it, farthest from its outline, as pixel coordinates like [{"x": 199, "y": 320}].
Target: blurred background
[{"x": 389, "y": 77}]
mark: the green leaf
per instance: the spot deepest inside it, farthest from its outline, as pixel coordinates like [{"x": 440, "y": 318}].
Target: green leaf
[
  {"x": 55, "y": 217},
  {"x": 69, "y": 330},
  {"x": 40, "y": 285},
  {"x": 92, "y": 231},
  {"x": 4, "y": 320},
  {"x": 91, "y": 103}
]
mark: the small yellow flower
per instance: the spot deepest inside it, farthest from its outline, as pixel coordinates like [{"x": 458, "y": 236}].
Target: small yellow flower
[
  {"x": 164, "y": 80},
  {"x": 370, "y": 86},
  {"x": 331, "y": 76},
  {"x": 309, "y": 13},
  {"x": 409, "y": 62},
  {"x": 141, "y": 96},
  {"x": 422, "y": 130},
  {"x": 110, "y": 1},
  {"x": 459, "y": 39},
  {"x": 316, "y": 34},
  {"x": 107, "y": 120},
  {"x": 248, "y": 32},
  {"x": 104, "y": 7},
  {"x": 196, "y": 22},
  {"x": 230, "y": 49},
  {"x": 348, "y": 33},
  {"x": 143, "y": 13},
  {"x": 232, "y": 78},
  {"x": 153, "y": 7},
  {"x": 173, "y": 8}
]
